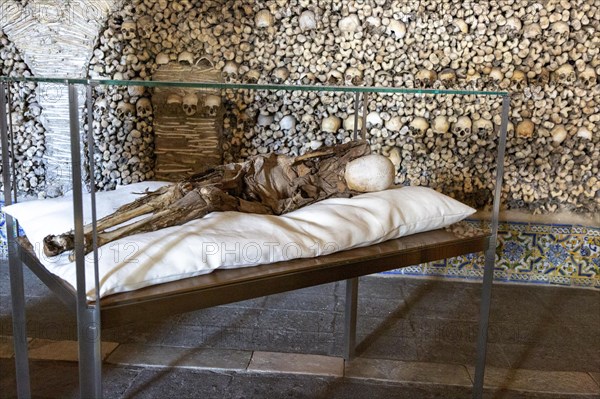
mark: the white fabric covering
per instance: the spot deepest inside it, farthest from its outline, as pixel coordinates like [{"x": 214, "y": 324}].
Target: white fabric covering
[{"x": 232, "y": 239}]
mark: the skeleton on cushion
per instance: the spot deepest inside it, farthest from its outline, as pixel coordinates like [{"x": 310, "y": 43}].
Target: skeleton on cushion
[{"x": 265, "y": 184}]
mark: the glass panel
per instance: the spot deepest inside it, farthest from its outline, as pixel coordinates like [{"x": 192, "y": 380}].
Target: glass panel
[{"x": 350, "y": 89}]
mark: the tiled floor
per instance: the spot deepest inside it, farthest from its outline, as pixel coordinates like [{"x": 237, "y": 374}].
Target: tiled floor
[{"x": 416, "y": 340}]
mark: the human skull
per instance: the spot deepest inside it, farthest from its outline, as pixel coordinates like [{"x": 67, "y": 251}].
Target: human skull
[
  {"x": 287, "y": 123},
  {"x": 230, "y": 71},
  {"x": 263, "y": 19},
  {"x": 532, "y": 31},
  {"x": 252, "y": 76},
  {"x": 418, "y": 126},
  {"x": 353, "y": 76},
  {"x": 542, "y": 78},
  {"x": 512, "y": 27},
  {"x": 349, "y": 24},
  {"x": 441, "y": 124},
  {"x": 473, "y": 77},
  {"x": 145, "y": 26},
  {"x": 264, "y": 119},
  {"x": 100, "y": 105},
  {"x": 162, "y": 59},
  {"x": 143, "y": 107},
  {"x": 565, "y": 75},
  {"x": 525, "y": 129},
  {"x": 560, "y": 31},
  {"x": 462, "y": 127},
  {"x": 124, "y": 109},
  {"x": 335, "y": 77},
  {"x": 190, "y": 104},
  {"x": 307, "y": 78},
  {"x": 483, "y": 127},
  {"x": 495, "y": 76},
  {"x": 212, "y": 103},
  {"x": 136, "y": 91},
  {"x": 588, "y": 78},
  {"x": 559, "y": 134},
  {"x": 585, "y": 133},
  {"x": 331, "y": 124},
  {"x": 280, "y": 75},
  {"x": 425, "y": 78},
  {"x": 396, "y": 28},
  {"x": 186, "y": 58},
  {"x": 374, "y": 119},
  {"x": 349, "y": 123},
  {"x": 518, "y": 80},
  {"x": 307, "y": 20},
  {"x": 369, "y": 173},
  {"x": 448, "y": 77},
  {"x": 128, "y": 30},
  {"x": 394, "y": 124},
  {"x": 174, "y": 102}
]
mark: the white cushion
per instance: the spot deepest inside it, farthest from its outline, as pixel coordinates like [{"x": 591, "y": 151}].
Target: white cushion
[{"x": 233, "y": 239}]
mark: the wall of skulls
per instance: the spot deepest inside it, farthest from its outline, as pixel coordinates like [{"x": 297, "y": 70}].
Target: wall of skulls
[
  {"x": 546, "y": 53},
  {"x": 28, "y": 131}
]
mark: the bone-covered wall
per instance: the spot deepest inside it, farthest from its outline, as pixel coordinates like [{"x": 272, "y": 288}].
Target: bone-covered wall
[
  {"x": 28, "y": 131},
  {"x": 546, "y": 53}
]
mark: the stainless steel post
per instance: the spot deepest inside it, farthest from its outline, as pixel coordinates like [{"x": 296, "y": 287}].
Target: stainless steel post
[
  {"x": 356, "y": 106},
  {"x": 363, "y": 130},
  {"x": 17, "y": 288},
  {"x": 88, "y": 317},
  {"x": 350, "y": 318},
  {"x": 490, "y": 258}
]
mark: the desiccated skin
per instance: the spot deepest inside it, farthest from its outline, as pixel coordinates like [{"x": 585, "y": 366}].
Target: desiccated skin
[{"x": 265, "y": 184}]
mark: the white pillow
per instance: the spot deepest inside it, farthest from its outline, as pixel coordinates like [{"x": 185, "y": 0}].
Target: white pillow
[{"x": 233, "y": 239}]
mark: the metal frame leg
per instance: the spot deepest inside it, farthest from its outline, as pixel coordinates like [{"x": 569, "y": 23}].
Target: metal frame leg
[
  {"x": 490, "y": 259},
  {"x": 350, "y": 318},
  {"x": 17, "y": 288},
  {"x": 88, "y": 317}
]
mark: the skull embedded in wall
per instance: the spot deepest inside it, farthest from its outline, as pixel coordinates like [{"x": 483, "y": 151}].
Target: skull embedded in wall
[
  {"x": 280, "y": 75},
  {"x": 331, "y": 124},
  {"x": 565, "y": 75},
  {"x": 495, "y": 77},
  {"x": 230, "y": 71},
  {"x": 307, "y": 78},
  {"x": 425, "y": 78},
  {"x": 186, "y": 58},
  {"x": 418, "y": 127},
  {"x": 335, "y": 77},
  {"x": 459, "y": 26},
  {"x": 143, "y": 107},
  {"x": 162, "y": 59},
  {"x": 252, "y": 76},
  {"x": 462, "y": 127},
  {"x": 441, "y": 124},
  {"x": 145, "y": 26},
  {"x": 307, "y": 20},
  {"x": 588, "y": 78},
  {"x": 518, "y": 80},
  {"x": 128, "y": 30},
  {"x": 190, "y": 104},
  {"x": 560, "y": 32},
  {"x": 374, "y": 119},
  {"x": 559, "y": 134},
  {"x": 448, "y": 77},
  {"x": 473, "y": 77},
  {"x": 263, "y": 19},
  {"x": 173, "y": 105},
  {"x": 100, "y": 106},
  {"x": 212, "y": 103},
  {"x": 512, "y": 27},
  {"x": 353, "y": 76},
  {"x": 124, "y": 109},
  {"x": 542, "y": 78},
  {"x": 532, "y": 31},
  {"x": 483, "y": 127},
  {"x": 525, "y": 129},
  {"x": 287, "y": 123},
  {"x": 396, "y": 29}
]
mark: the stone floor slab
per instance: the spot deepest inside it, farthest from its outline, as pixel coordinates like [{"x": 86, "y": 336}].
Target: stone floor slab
[
  {"x": 44, "y": 349},
  {"x": 7, "y": 349},
  {"x": 596, "y": 377},
  {"x": 293, "y": 363},
  {"x": 176, "y": 357},
  {"x": 415, "y": 372},
  {"x": 551, "y": 382}
]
